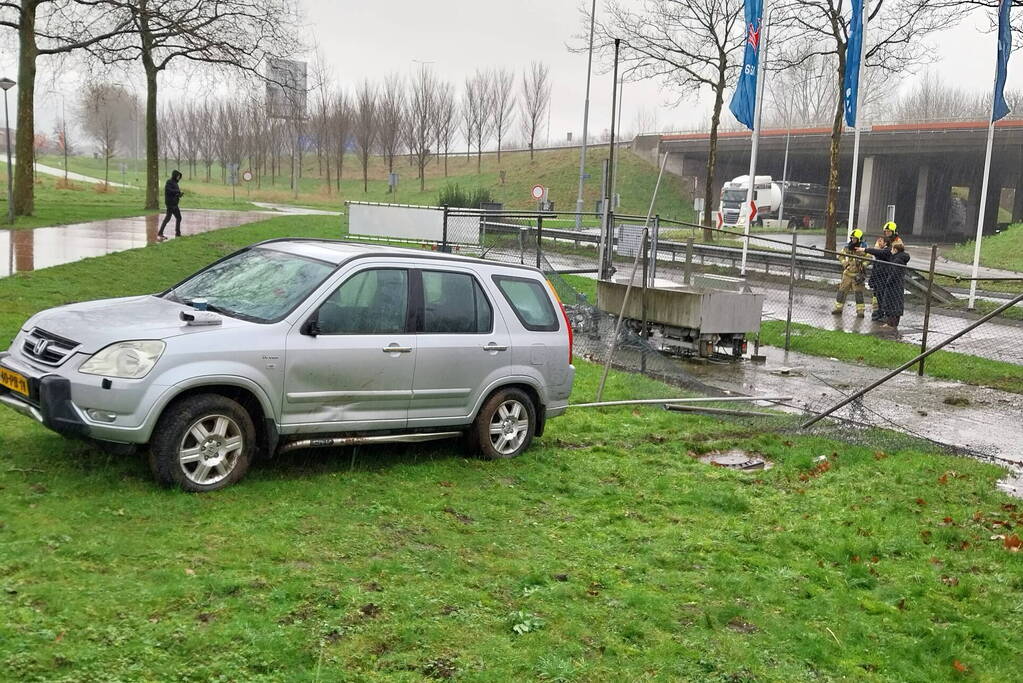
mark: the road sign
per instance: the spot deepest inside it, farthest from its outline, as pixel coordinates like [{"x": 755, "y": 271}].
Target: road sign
[
  {"x": 721, "y": 220},
  {"x": 752, "y": 211},
  {"x": 247, "y": 176},
  {"x": 538, "y": 192}
]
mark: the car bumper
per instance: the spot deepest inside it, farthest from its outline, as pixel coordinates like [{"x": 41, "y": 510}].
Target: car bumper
[{"x": 49, "y": 403}]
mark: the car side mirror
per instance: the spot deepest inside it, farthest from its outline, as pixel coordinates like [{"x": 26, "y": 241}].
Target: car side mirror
[{"x": 311, "y": 327}]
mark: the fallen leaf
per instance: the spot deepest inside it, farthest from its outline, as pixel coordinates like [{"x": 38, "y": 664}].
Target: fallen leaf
[
  {"x": 902, "y": 604},
  {"x": 947, "y": 520},
  {"x": 1013, "y": 543},
  {"x": 943, "y": 479},
  {"x": 879, "y": 455},
  {"x": 925, "y": 536},
  {"x": 370, "y": 610},
  {"x": 950, "y": 580},
  {"x": 959, "y": 666},
  {"x": 446, "y": 484},
  {"x": 921, "y": 502},
  {"x": 189, "y": 571},
  {"x": 855, "y": 559}
]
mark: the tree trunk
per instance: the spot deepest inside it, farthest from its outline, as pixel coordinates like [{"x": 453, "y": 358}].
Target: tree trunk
[
  {"x": 831, "y": 215},
  {"x": 499, "y": 145},
  {"x": 712, "y": 155},
  {"x": 152, "y": 141},
  {"x": 365, "y": 174},
  {"x": 24, "y": 143}
]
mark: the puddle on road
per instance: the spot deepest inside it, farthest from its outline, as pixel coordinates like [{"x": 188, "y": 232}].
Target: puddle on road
[{"x": 25, "y": 250}]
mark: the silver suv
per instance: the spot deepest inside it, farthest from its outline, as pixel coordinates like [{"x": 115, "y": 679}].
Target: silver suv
[{"x": 300, "y": 343}]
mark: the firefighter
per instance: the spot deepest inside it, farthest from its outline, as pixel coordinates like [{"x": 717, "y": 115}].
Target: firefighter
[{"x": 854, "y": 274}]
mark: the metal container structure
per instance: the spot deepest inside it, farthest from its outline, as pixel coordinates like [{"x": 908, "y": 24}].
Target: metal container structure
[{"x": 691, "y": 320}]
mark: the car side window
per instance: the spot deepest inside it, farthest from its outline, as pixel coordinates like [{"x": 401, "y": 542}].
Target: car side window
[
  {"x": 454, "y": 303},
  {"x": 530, "y": 301},
  {"x": 369, "y": 302}
]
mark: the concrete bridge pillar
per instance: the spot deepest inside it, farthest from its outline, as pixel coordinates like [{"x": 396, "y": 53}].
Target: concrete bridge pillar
[
  {"x": 920, "y": 212},
  {"x": 878, "y": 189}
]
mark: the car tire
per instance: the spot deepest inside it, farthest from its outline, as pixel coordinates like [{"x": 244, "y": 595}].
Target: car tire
[
  {"x": 505, "y": 425},
  {"x": 202, "y": 443}
]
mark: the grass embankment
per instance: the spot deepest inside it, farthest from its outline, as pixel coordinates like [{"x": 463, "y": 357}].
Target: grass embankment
[
  {"x": 886, "y": 353},
  {"x": 60, "y": 203},
  {"x": 558, "y": 170},
  {"x": 1004, "y": 250},
  {"x": 604, "y": 553}
]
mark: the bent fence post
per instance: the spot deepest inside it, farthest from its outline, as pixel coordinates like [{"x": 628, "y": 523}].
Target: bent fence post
[
  {"x": 911, "y": 363},
  {"x": 927, "y": 307},
  {"x": 621, "y": 316},
  {"x": 792, "y": 286}
]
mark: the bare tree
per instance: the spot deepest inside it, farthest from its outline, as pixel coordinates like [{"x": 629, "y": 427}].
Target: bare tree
[
  {"x": 365, "y": 126},
  {"x": 103, "y": 112},
  {"x": 687, "y": 45},
  {"x": 444, "y": 121},
  {"x": 934, "y": 100},
  {"x": 390, "y": 116},
  {"x": 237, "y": 34},
  {"x": 502, "y": 103},
  {"x": 536, "y": 98},
  {"x": 340, "y": 131},
  {"x": 483, "y": 126},
  {"x": 821, "y": 28},
  {"x": 422, "y": 112},
  {"x": 47, "y": 27},
  {"x": 469, "y": 115}
]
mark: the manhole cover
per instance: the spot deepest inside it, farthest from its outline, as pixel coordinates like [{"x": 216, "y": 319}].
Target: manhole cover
[{"x": 737, "y": 460}]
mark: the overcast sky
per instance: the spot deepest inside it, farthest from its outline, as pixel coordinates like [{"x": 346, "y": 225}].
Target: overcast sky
[{"x": 372, "y": 39}]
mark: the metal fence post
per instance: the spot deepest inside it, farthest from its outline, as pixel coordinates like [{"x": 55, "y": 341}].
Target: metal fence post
[
  {"x": 792, "y": 290},
  {"x": 655, "y": 244},
  {"x": 539, "y": 237},
  {"x": 927, "y": 307},
  {"x": 689, "y": 261},
  {"x": 645, "y": 246},
  {"x": 444, "y": 233}
]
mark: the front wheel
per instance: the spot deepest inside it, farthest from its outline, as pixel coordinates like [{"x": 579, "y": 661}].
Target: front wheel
[
  {"x": 505, "y": 425},
  {"x": 202, "y": 443}
]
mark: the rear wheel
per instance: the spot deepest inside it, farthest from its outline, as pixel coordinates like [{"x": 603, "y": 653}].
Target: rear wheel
[
  {"x": 505, "y": 425},
  {"x": 202, "y": 443}
]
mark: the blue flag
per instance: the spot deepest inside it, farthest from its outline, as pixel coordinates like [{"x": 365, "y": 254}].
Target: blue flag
[
  {"x": 853, "y": 50},
  {"x": 744, "y": 101},
  {"x": 1001, "y": 108}
]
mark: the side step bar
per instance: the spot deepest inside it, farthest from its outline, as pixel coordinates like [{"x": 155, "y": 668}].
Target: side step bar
[{"x": 330, "y": 442}]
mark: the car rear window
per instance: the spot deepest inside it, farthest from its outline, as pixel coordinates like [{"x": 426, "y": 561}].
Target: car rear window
[{"x": 530, "y": 301}]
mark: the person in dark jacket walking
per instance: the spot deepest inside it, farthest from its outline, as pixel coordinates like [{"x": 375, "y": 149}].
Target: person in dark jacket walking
[
  {"x": 171, "y": 198},
  {"x": 891, "y": 290}
]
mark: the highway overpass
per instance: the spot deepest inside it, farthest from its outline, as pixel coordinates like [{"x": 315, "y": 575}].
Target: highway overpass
[{"x": 930, "y": 172}]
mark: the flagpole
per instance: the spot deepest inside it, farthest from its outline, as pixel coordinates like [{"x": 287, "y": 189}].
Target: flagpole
[
  {"x": 983, "y": 205},
  {"x": 751, "y": 185},
  {"x": 1001, "y": 63},
  {"x": 860, "y": 84}
]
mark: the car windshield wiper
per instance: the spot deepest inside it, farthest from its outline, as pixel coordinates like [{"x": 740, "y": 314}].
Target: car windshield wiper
[{"x": 233, "y": 314}]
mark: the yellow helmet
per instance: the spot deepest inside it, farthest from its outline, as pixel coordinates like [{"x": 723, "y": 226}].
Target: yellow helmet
[
  {"x": 890, "y": 225},
  {"x": 858, "y": 234}
]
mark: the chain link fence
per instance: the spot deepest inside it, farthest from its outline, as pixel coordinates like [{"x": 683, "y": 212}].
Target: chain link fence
[{"x": 964, "y": 396}]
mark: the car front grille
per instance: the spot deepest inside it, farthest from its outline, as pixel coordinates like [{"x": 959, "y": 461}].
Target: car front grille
[{"x": 48, "y": 348}]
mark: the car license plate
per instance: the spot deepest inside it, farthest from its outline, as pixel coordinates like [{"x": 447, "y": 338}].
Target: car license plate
[{"x": 13, "y": 381}]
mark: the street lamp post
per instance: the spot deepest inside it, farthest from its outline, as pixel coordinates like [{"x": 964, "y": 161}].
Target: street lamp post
[{"x": 7, "y": 84}]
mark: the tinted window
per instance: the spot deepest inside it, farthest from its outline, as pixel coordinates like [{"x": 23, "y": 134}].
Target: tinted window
[
  {"x": 370, "y": 302},
  {"x": 454, "y": 303},
  {"x": 531, "y": 303}
]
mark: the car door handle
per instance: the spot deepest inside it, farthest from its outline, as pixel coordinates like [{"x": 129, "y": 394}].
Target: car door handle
[
  {"x": 495, "y": 347},
  {"x": 394, "y": 348}
]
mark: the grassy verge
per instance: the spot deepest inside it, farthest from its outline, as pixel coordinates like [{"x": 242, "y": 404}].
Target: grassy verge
[
  {"x": 886, "y": 353},
  {"x": 558, "y": 170},
  {"x": 57, "y": 203},
  {"x": 605, "y": 553},
  {"x": 1004, "y": 250}
]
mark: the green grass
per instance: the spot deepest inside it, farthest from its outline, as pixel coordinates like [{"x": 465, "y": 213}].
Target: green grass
[
  {"x": 886, "y": 353},
  {"x": 619, "y": 555},
  {"x": 1004, "y": 250},
  {"x": 556, "y": 169},
  {"x": 79, "y": 202}
]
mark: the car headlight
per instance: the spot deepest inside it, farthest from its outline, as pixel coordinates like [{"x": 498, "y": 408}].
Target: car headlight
[{"x": 127, "y": 359}]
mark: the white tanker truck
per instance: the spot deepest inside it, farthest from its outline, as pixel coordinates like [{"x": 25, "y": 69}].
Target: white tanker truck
[{"x": 805, "y": 203}]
